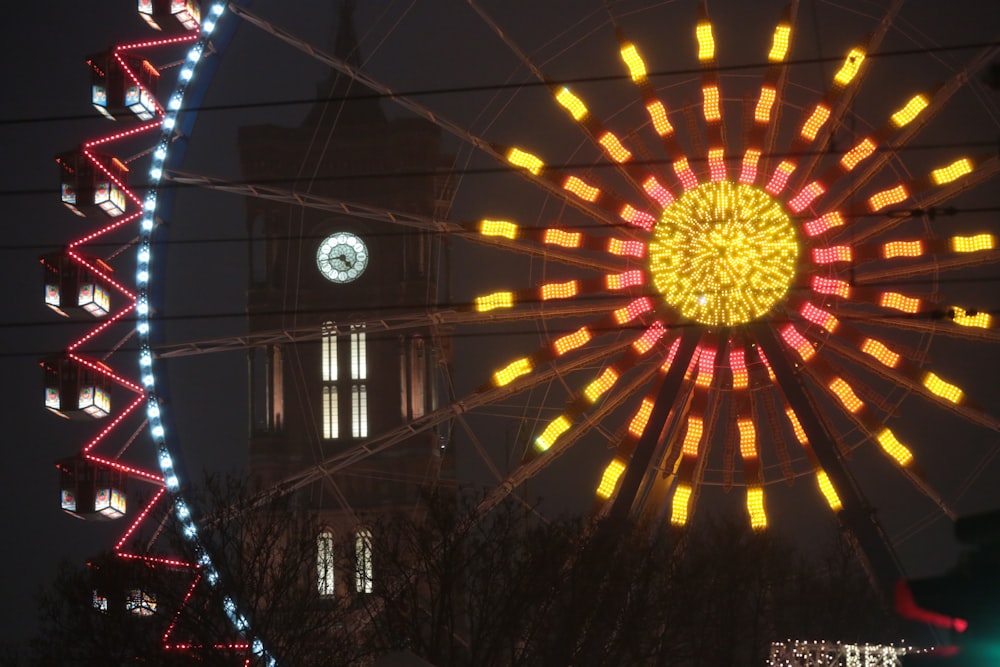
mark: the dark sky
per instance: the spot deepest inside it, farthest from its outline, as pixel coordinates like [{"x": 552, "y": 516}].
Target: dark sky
[{"x": 443, "y": 45}]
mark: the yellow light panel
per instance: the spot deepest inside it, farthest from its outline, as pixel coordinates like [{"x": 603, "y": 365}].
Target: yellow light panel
[
  {"x": 830, "y": 493},
  {"x": 610, "y": 479},
  {"x": 978, "y": 320},
  {"x": 660, "y": 194},
  {"x": 633, "y": 310},
  {"x": 525, "y": 160},
  {"x": 647, "y": 340},
  {"x": 880, "y": 200},
  {"x": 798, "y": 342},
  {"x": 711, "y": 97},
  {"x": 780, "y": 177},
  {"x": 556, "y": 428},
  {"x": 900, "y": 302},
  {"x": 573, "y": 104},
  {"x": 748, "y": 170},
  {"x": 976, "y": 243},
  {"x": 824, "y": 223},
  {"x": 939, "y": 387},
  {"x": 627, "y": 248},
  {"x": 562, "y": 238},
  {"x": 601, "y": 384},
  {"x": 779, "y": 43},
  {"x": 511, "y": 372},
  {"x": 762, "y": 113},
  {"x": 503, "y": 228},
  {"x": 815, "y": 121},
  {"x": 860, "y": 152},
  {"x": 641, "y": 417},
  {"x": 955, "y": 170},
  {"x": 800, "y": 433},
  {"x": 692, "y": 436},
  {"x": 581, "y": 189},
  {"x": 637, "y": 218},
  {"x": 894, "y": 249},
  {"x": 847, "y": 397},
  {"x": 716, "y": 164},
  {"x": 679, "y": 506},
  {"x": 559, "y": 290},
  {"x": 748, "y": 438},
  {"x": 755, "y": 507},
  {"x": 658, "y": 116},
  {"x": 633, "y": 61},
  {"x": 831, "y": 286},
  {"x": 684, "y": 173},
  {"x": 910, "y": 111},
  {"x": 724, "y": 253},
  {"x": 614, "y": 147},
  {"x": 737, "y": 365},
  {"x": 616, "y": 281},
  {"x": 850, "y": 68},
  {"x": 494, "y": 301},
  {"x": 894, "y": 448},
  {"x": 578, "y": 338},
  {"x": 706, "y": 41},
  {"x": 880, "y": 352}
]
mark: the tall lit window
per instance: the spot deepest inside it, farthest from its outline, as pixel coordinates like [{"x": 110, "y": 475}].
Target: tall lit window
[
  {"x": 359, "y": 385},
  {"x": 364, "y": 577},
  {"x": 324, "y": 563},
  {"x": 331, "y": 402},
  {"x": 344, "y": 394}
]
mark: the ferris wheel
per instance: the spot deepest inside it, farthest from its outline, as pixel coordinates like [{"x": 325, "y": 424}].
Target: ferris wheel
[{"x": 683, "y": 272}]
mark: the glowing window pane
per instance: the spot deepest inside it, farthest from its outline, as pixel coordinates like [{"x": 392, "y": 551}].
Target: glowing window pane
[
  {"x": 331, "y": 413},
  {"x": 779, "y": 43},
  {"x": 902, "y": 249},
  {"x": 945, "y": 390},
  {"x": 679, "y": 506},
  {"x": 840, "y": 253},
  {"x": 806, "y": 196},
  {"x": 626, "y": 248},
  {"x": 900, "y": 302},
  {"x": 780, "y": 177},
  {"x": 716, "y": 164},
  {"x": 830, "y": 493},
  {"x": 748, "y": 438},
  {"x": 359, "y": 353},
  {"x": 571, "y": 341},
  {"x": 525, "y": 160},
  {"x": 623, "y": 280},
  {"x": 831, "y": 286},
  {"x": 649, "y": 337},
  {"x": 953, "y": 171},
  {"x": 850, "y": 67},
  {"x": 610, "y": 478},
  {"x": 641, "y": 417},
  {"x": 692, "y": 436},
  {"x": 824, "y": 223},
  {"x": 684, "y": 173},
  {"x": 888, "y": 197},
  {"x": 551, "y": 433},
  {"x": 975, "y": 243},
  {"x": 571, "y": 103},
  {"x": 658, "y": 116},
  {"x": 815, "y": 121},
  {"x": 711, "y": 98},
  {"x": 632, "y": 60},
  {"x": 916, "y": 104},
  {"x": 616, "y": 151},
  {"x": 748, "y": 170},
  {"x": 860, "y": 152},
  {"x": 762, "y": 112},
  {"x": 364, "y": 574},
  {"x": 512, "y": 371},
  {"x": 894, "y": 448},
  {"x": 325, "y": 583},
  {"x": 798, "y": 342},
  {"x": 502, "y": 228},
  {"x": 706, "y": 41},
  {"x": 633, "y": 310},
  {"x": 599, "y": 386},
  {"x": 581, "y": 189},
  {"x": 637, "y": 218},
  {"x": 562, "y": 238},
  {"x": 359, "y": 411},
  {"x": 559, "y": 290},
  {"x": 493, "y": 301},
  {"x": 847, "y": 397},
  {"x": 884, "y": 355},
  {"x": 328, "y": 352},
  {"x": 968, "y": 318},
  {"x": 755, "y": 507},
  {"x": 818, "y": 316},
  {"x": 660, "y": 194}
]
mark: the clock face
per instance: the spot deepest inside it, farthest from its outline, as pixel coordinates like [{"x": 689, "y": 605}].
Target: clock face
[{"x": 342, "y": 257}]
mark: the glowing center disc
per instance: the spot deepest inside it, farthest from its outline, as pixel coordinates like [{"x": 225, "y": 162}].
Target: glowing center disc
[{"x": 724, "y": 253}]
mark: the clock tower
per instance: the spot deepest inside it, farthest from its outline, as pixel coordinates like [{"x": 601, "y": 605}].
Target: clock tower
[{"x": 325, "y": 278}]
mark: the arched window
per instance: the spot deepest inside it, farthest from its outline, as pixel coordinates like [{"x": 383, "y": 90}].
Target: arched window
[
  {"x": 324, "y": 563},
  {"x": 364, "y": 575}
]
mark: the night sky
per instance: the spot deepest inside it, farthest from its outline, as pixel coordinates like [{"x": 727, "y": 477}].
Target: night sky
[{"x": 444, "y": 45}]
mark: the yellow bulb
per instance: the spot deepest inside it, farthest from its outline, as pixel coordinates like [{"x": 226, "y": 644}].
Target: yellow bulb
[
  {"x": 525, "y": 160},
  {"x": 581, "y": 189},
  {"x": 616, "y": 151},
  {"x": 800, "y": 433},
  {"x": 939, "y": 387},
  {"x": 880, "y": 200},
  {"x": 894, "y": 448},
  {"x": 748, "y": 438},
  {"x": 601, "y": 384},
  {"x": 610, "y": 478},
  {"x": 556, "y": 428},
  {"x": 711, "y": 97},
  {"x": 976, "y": 243},
  {"x": 955, "y": 170},
  {"x": 632, "y": 59},
  {"x": 815, "y": 121},
  {"x": 578, "y": 338},
  {"x": 755, "y": 507},
  {"x": 762, "y": 113},
  {"x": 638, "y": 423},
  {"x": 830, "y": 493},
  {"x": 902, "y": 249},
  {"x": 692, "y": 436},
  {"x": 679, "y": 509},
  {"x": 966, "y": 319},
  {"x": 562, "y": 238},
  {"x": 910, "y": 111},
  {"x": 502, "y": 228},
  {"x": 573, "y": 104},
  {"x": 900, "y": 302},
  {"x": 494, "y": 301},
  {"x": 658, "y": 116},
  {"x": 779, "y": 43},
  {"x": 706, "y": 41},
  {"x": 850, "y": 68},
  {"x": 511, "y": 372},
  {"x": 880, "y": 352},
  {"x": 847, "y": 397},
  {"x": 860, "y": 152},
  {"x": 559, "y": 290}
]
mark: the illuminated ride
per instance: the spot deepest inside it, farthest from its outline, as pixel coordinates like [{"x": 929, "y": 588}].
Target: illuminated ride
[{"x": 727, "y": 315}]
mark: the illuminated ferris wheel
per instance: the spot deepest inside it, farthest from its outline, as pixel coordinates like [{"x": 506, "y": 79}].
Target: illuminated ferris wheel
[{"x": 736, "y": 280}]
